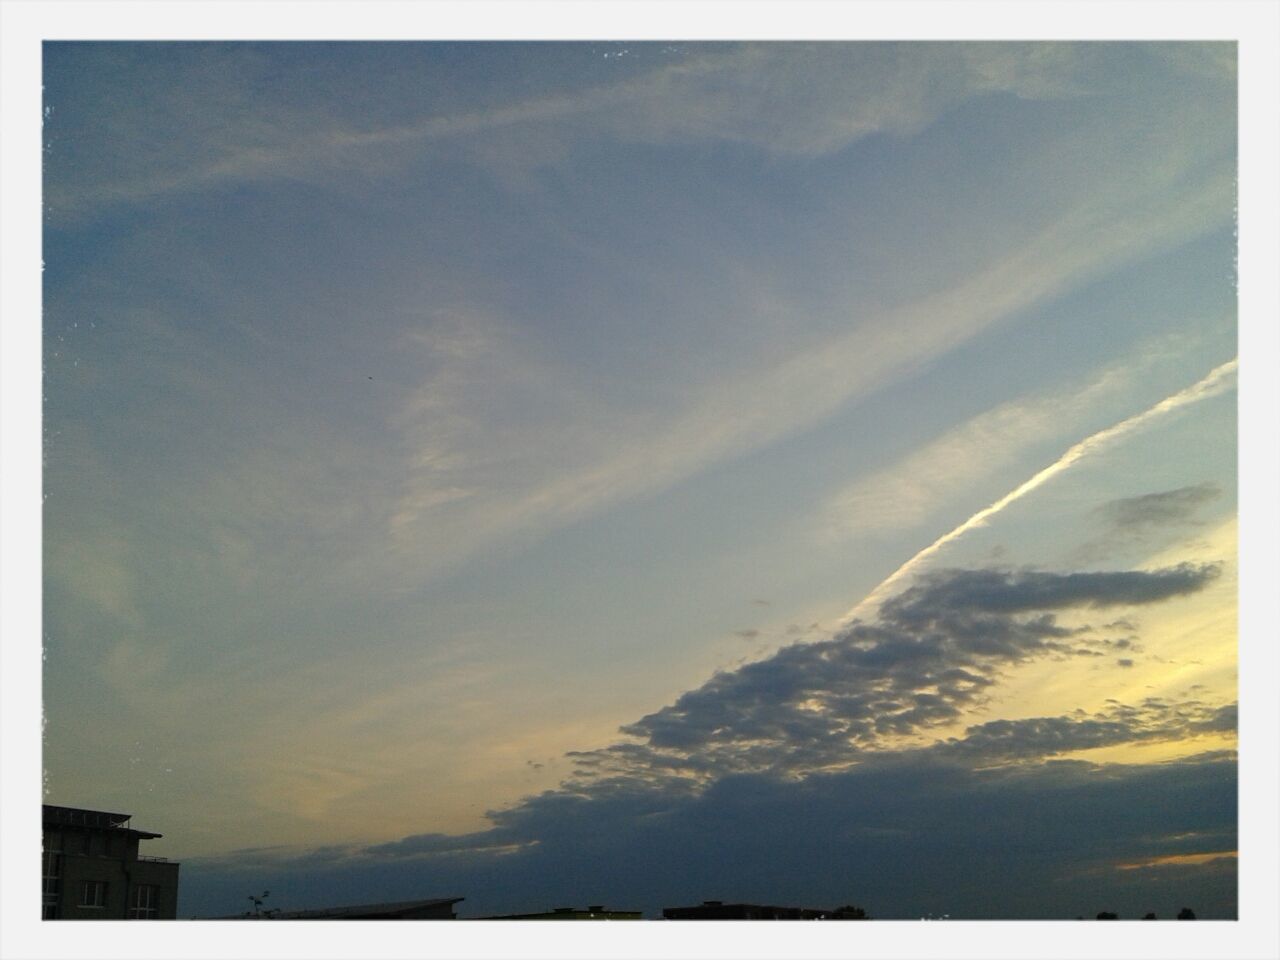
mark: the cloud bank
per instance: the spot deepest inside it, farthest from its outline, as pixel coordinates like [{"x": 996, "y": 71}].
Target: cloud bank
[
  {"x": 933, "y": 652},
  {"x": 805, "y": 762}
]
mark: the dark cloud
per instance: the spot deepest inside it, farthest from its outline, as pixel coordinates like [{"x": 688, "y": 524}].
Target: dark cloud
[
  {"x": 1121, "y": 624},
  {"x": 1158, "y": 509},
  {"x": 935, "y": 650},
  {"x": 1002, "y": 591},
  {"x": 904, "y": 835},
  {"x": 1041, "y": 737},
  {"x": 1146, "y": 519},
  {"x": 798, "y": 762}
]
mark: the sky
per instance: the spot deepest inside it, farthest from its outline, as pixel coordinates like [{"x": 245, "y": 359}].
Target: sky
[{"x": 642, "y": 473}]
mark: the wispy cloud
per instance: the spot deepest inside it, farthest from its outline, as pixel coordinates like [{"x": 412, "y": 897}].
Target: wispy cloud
[
  {"x": 563, "y": 478},
  {"x": 777, "y": 97},
  {"x": 907, "y": 493},
  {"x": 1137, "y": 514},
  {"x": 1179, "y": 860},
  {"x": 502, "y": 439},
  {"x": 1141, "y": 521}
]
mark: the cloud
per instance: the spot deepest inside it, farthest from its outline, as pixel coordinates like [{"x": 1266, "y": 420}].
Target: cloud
[
  {"x": 908, "y": 492},
  {"x": 804, "y": 761},
  {"x": 903, "y": 837},
  {"x": 559, "y": 469},
  {"x": 1147, "y": 519},
  {"x": 1004, "y": 591},
  {"x": 1152, "y": 720},
  {"x": 1217, "y": 381},
  {"x": 1158, "y": 509},
  {"x": 498, "y": 442},
  {"x": 808, "y": 757},
  {"x": 1181, "y": 860},
  {"x": 235, "y": 113},
  {"x": 935, "y": 650}
]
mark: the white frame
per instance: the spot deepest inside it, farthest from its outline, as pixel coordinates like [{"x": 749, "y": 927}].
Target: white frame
[
  {"x": 144, "y": 911},
  {"x": 99, "y": 887}
]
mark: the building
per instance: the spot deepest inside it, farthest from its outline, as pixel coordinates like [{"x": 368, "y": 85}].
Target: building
[
  {"x": 92, "y": 869},
  {"x": 717, "y": 910},
  {"x": 440, "y": 909},
  {"x": 594, "y": 912}
]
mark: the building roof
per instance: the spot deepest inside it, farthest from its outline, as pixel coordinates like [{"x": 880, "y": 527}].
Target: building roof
[
  {"x": 594, "y": 912},
  {"x": 719, "y": 910},
  {"x": 354, "y": 912},
  {"x": 100, "y": 819}
]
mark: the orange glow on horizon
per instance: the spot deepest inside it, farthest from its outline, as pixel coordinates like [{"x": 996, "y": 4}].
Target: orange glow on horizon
[{"x": 1179, "y": 860}]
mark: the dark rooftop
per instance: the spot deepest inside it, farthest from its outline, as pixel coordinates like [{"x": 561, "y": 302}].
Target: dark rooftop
[
  {"x": 84, "y": 818},
  {"x": 354, "y": 912},
  {"x": 100, "y": 819}
]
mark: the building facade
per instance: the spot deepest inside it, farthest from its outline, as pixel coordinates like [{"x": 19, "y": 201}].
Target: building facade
[{"x": 92, "y": 869}]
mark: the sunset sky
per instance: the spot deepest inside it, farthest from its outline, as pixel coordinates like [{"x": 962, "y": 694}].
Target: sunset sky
[{"x": 555, "y": 473}]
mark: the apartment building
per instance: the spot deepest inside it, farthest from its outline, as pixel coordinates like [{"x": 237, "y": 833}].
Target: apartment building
[{"x": 93, "y": 871}]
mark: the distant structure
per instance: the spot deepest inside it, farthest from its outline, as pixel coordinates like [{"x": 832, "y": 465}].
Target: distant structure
[
  {"x": 594, "y": 912},
  {"x": 718, "y": 910},
  {"x": 92, "y": 870},
  {"x": 439, "y": 909}
]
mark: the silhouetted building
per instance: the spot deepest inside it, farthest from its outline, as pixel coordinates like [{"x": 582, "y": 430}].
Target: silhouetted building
[
  {"x": 439, "y": 909},
  {"x": 717, "y": 910},
  {"x": 594, "y": 912},
  {"x": 92, "y": 870}
]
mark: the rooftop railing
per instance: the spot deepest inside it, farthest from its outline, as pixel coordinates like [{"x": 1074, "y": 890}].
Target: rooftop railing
[{"x": 72, "y": 816}]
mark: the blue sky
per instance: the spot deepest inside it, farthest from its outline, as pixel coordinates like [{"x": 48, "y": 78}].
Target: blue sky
[{"x": 420, "y": 417}]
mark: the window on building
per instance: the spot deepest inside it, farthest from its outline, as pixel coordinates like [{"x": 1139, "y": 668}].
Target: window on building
[
  {"x": 93, "y": 893},
  {"x": 146, "y": 902},
  {"x": 51, "y": 882}
]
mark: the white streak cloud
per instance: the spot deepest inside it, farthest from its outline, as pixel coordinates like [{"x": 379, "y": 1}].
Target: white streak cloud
[{"x": 1217, "y": 381}]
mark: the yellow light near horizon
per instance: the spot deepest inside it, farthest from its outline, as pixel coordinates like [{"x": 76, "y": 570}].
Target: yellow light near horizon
[
  {"x": 1187, "y": 649},
  {"x": 1179, "y": 859},
  {"x": 1153, "y": 752}
]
